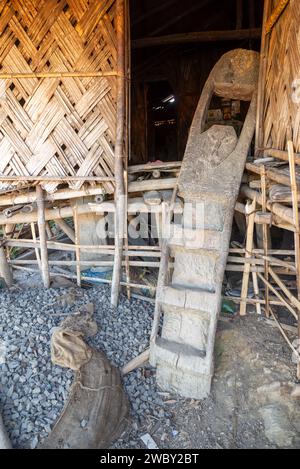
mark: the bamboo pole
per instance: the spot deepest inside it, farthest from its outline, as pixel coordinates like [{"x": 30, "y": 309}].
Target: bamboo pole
[
  {"x": 136, "y": 363},
  {"x": 272, "y": 174},
  {"x": 284, "y": 334},
  {"x": 127, "y": 138},
  {"x": 37, "y": 253},
  {"x": 281, "y": 155},
  {"x": 77, "y": 243},
  {"x": 259, "y": 134},
  {"x": 281, "y": 298},
  {"x": 87, "y": 279},
  {"x": 265, "y": 235},
  {"x": 62, "y": 179},
  {"x": 249, "y": 247},
  {"x": 66, "y": 228},
  {"x": 281, "y": 211},
  {"x": 294, "y": 188},
  {"x": 62, "y": 194},
  {"x": 94, "y": 74},
  {"x": 43, "y": 237},
  {"x": 119, "y": 153}
]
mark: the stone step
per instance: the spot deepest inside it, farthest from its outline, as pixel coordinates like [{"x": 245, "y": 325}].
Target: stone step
[
  {"x": 189, "y": 385},
  {"x": 197, "y": 270},
  {"x": 203, "y": 302},
  {"x": 181, "y": 357},
  {"x": 206, "y": 212},
  {"x": 195, "y": 240},
  {"x": 186, "y": 327}
]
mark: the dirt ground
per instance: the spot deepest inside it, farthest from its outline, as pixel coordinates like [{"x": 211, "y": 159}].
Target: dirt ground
[{"x": 251, "y": 404}]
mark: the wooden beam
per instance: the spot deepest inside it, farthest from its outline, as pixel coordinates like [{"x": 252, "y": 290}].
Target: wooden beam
[
  {"x": 200, "y": 36},
  {"x": 175, "y": 19},
  {"x": 119, "y": 152}
]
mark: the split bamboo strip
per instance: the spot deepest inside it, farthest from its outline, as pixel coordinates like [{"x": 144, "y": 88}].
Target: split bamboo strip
[
  {"x": 86, "y": 279},
  {"x": 284, "y": 334},
  {"x": 276, "y": 15},
  {"x": 20, "y": 76},
  {"x": 284, "y": 301}
]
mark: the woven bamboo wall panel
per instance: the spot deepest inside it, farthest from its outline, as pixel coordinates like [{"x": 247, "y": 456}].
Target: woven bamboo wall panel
[
  {"x": 281, "y": 110},
  {"x": 58, "y": 126}
]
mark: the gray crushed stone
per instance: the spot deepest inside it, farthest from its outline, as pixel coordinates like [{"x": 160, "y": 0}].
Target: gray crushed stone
[{"x": 33, "y": 391}]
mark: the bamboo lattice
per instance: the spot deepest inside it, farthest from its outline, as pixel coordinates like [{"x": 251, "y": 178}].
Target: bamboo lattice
[
  {"x": 61, "y": 123},
  {"x": 281, "y": 109}
]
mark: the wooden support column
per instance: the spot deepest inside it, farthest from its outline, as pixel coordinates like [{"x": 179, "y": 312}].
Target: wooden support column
[
  {"x": 259, "y": 135},
  {"x": 77, "y": 243},
  {"x": 120, "y": 199},
  {"x": 266, "y": 237},
  {"x": 248, "y": 255},
  {"x": 43, "y": 236},
  {"x": 294, "y": 188}
]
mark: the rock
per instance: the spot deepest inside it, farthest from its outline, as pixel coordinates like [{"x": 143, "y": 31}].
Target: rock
[
  {"x": 277, "y": 426},
  {"x": 295, "y": 394}
]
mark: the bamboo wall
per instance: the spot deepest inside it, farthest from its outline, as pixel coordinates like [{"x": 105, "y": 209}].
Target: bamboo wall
[
  {"x": 58, "y": 60},
  {"x": 280, "y": 111}
]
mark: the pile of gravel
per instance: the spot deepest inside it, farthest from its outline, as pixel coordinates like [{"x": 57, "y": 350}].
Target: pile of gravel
[{"x": 32, "y": 390}]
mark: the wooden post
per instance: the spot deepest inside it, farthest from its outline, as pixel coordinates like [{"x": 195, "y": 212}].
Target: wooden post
[
  {"x": 294, "y": 188},
  {"x": 259, "y": 135},
  {"x": 43, "y": 236},
  {"x": 119, "y": 153},
  {"x": 5, "y": 271},
  {"x": 37, "y": 253},
  {"x": 247, "y": 269},
  {"x": 266, "y": 235},
  {"x": 77, "y": 243}
]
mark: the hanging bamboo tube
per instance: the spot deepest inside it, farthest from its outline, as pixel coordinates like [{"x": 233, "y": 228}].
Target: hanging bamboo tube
[
  {"x": 43, "y": 236},
  {"x": 119, "y": 153}
]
